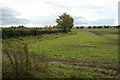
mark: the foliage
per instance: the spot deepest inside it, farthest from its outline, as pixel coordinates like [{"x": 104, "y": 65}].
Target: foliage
[
  {"x": 89, "y": 27},
  {"x": 82, "y": 27},
  {"x": 21, "y": 32},
  {"x": 106, "y": 26},
  {"x": 21, "y": 26},
  {"x": 65, "y": 21},
  {"x": 77, "y": 27}
]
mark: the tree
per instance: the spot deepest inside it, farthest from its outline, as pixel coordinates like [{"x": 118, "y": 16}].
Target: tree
[
  {"x": 21, "y": 26},
  {"x": 65, "y": 22},
  {"x": 55, "y": 27}
]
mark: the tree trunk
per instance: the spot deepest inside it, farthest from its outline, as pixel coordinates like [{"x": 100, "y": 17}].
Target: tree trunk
[{"x": 65, "y": 30}]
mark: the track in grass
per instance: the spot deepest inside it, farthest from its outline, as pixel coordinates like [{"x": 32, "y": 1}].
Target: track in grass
[
  {"x": 88, "y": 48},
  {"x": 94, "y": 49}
]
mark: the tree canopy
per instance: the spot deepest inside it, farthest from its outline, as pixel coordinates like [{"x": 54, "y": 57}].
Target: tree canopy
[{"x": 65, "y": 21}]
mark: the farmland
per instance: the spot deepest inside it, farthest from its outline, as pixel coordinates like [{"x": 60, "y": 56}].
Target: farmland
[{"x": 80, "y": 53}]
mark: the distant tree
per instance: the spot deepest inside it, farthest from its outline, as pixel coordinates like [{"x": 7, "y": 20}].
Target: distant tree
[
  {"x": 118, "y": 26},
  {"x": 82, "y": 27},
  {"x": 46, "y": 27},
  {"x": 21, "y": 26},
  {"x": 94, "y": 27},
  {"x": 89, "y": 27},
  {"x": 77, "y": 27},
  {"x": 40, "y": 28},
  {"x": 65, "y": 21},
  {"x": 13, "y": 27},
  {"x": 55, "y": 27},
  {"x": 50, "y": 27}
]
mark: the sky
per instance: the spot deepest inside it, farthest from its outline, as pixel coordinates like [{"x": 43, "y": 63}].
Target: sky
[
  {"x": 39, "y": 13},
  {"x": 119, "y": 13}
]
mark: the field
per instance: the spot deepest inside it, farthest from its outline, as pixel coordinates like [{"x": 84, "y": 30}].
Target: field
[{"x": 82, "y": 53}]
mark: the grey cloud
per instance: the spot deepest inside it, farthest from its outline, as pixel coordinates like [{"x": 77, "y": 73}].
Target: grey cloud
[
  {"x": 77, "y": 6},
  {"x": 79, "y": 20},
  {"x": 13, "y": 20},
  {"x": 71, "y": 4},
  {"x": 78, "y": 17},
  {"x": 9, "y": 17},
  {"x": 44, "y": 20},
  {"x": 50, "y": 20},
  {"x": 109, "y": 21},
  {"x": 8, "y": 12}
]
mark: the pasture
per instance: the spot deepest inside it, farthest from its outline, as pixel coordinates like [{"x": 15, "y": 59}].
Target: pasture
[{"x": 82, "y": 53}]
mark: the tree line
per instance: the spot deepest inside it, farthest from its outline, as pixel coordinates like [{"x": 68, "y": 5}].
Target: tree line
[
  {"x": 64, "y": 24},
  {"x": 97, "y": 27},
  {"x": 15, "y": 33}
]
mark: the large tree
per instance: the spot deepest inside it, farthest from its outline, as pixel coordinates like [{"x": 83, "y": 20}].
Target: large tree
[{"x": 65, "y": 21}]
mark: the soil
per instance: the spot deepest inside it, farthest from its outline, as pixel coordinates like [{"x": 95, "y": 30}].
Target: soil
[{"x": 104, "y": 65}]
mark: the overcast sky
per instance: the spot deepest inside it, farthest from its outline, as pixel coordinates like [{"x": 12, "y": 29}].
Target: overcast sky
[{"x": 44, "y": 12}]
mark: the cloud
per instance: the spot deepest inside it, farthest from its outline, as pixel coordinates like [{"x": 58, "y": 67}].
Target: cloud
[
  {"x": 10, "y": 17},
  {"x": 50, "y": 20},
  {"x": 44, "y": 12},
  {"x": 8, "y": 12},
  {"x": 109, "y": 21},
  {"x": 119, "y": 13},
  {"x": 74, "y": 4},
  {"x": 79, "y": 20},
  {"x": 43, "y": 20}
]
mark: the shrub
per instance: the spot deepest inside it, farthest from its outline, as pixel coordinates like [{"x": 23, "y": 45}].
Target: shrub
[
  {"x": 89, "y": 27},
  {"x": 94, "y": 27},
  {"x": 106, "y": 26},
  {"x": 15, "y": 33},
  {"x": 82, "y": 27},
  {"x": 77, "y": 27},
  {"x": 99, "y": 27}
]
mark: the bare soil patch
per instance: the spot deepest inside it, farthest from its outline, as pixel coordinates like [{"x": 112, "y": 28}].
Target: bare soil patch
[
  {"x": 110, "y": 43},
  {"x": 100, "y": 33},
  {"x": 97, "y": 33},
  {"x": 83, "y": 46},
  {"x": 103, "y": 65},
  {"x": 114, "y": 33}
]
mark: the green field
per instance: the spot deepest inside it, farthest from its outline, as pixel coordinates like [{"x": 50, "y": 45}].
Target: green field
[{"x": 82, "y": 53}]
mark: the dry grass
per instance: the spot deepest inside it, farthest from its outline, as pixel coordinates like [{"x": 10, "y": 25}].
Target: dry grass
[{"x": 19, "y": 63}]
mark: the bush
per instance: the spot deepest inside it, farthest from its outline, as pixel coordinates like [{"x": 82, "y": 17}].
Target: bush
[
  {"x": 99, "y": 27},
  {"x": 89, "y": 27},
  {"x": 94, "y": 27},
  {"x": 15, "y": 32},
  {"x": 82, "y": 27},
  {"x": 77, "y": 27},
  {"x": 106, "y": 26}
]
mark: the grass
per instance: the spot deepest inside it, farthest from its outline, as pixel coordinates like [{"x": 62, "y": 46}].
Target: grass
[
  {"x": 82, "y": 46},
  {"x": 62, "y": 71},
  {"x": 82, "y": 53},
  {"x": 18, "y": 62}
]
